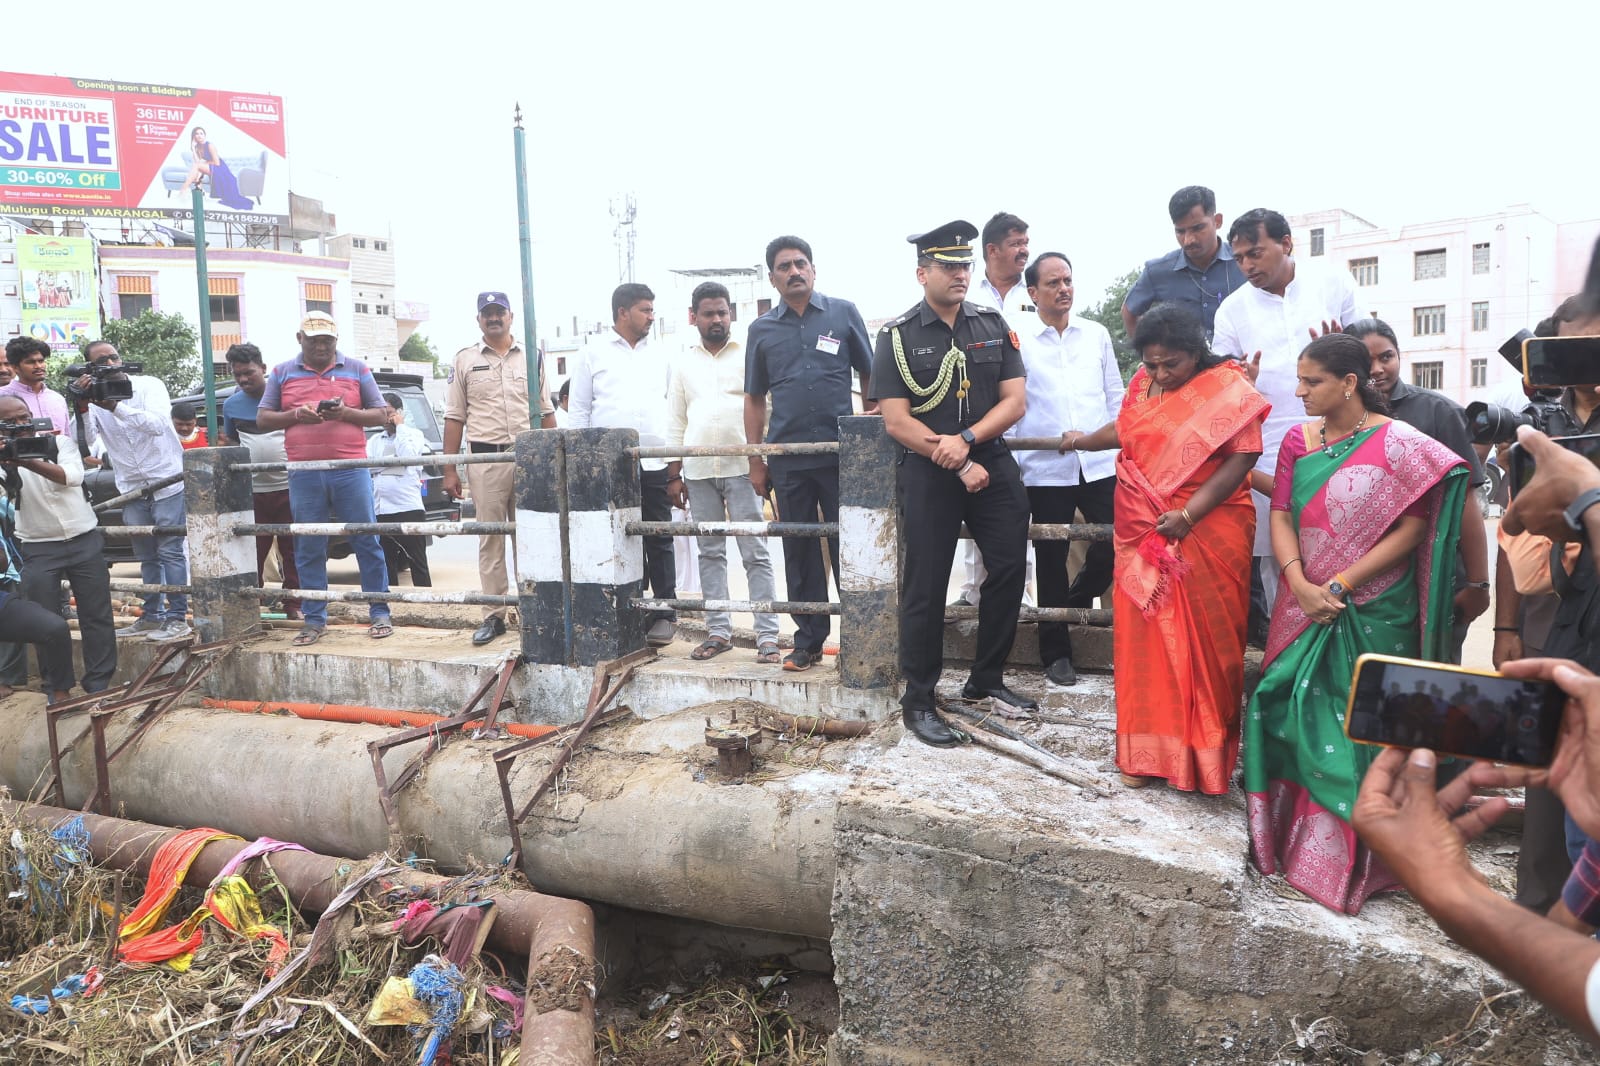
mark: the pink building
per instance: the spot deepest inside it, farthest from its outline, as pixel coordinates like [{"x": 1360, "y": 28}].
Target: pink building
[{"x": 1454, "y": 290}]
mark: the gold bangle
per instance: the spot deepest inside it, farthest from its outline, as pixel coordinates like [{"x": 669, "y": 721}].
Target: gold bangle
[
  {"x": 1186, "y": 516},
  {"x": 1291, "y": 562}
]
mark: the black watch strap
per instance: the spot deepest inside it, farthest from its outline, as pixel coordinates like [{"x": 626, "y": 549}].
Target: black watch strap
[
  {"x": 968, "y": 436},
  {"x": 1574, "y": 513}
]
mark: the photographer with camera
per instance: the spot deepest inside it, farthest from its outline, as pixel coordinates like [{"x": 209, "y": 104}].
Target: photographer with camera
[
  {"x": 323, "y": 400},
  {"x": 132, "y": 414},
  {"x": 59, "y": 539},
  {"x": 28, "y": 358}
]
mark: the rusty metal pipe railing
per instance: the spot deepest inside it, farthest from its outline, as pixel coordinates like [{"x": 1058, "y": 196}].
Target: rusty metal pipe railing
[
  {"x": 128, "y": 497},
  {"x": 731, "y": 529},
  {"x": 706, "y": 451},
  {"x": 430, "y": 459},
  {"x": 382, "y": 529},
  {"x": 742, "y": 606},
  {"x": 529, "y": 924}
]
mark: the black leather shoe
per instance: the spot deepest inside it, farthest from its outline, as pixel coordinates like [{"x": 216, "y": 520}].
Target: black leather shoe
[
  {"x": 492, "y": 627},
  {"x": 1061, "y": 672},
  {"x": 929, "y": 728},
  {"x": 971, "y": 692}
]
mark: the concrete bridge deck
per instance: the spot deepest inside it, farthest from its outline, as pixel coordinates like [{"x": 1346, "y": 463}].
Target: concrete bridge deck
[{"x": 977, "y": 911}]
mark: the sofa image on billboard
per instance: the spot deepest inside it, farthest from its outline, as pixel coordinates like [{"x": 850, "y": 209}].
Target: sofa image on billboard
[{"x": 250, "y": 170}]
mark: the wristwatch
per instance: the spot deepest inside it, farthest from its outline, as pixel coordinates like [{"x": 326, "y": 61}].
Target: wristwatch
[
  {"x": 1574, "y": 514},
  {"x": 968, "y": 436},
  {"x": 1337, "y": 588}
]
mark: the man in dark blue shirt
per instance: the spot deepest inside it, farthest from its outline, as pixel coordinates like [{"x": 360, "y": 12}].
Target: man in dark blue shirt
[
  {"x": 1199, "y": 273},
  {"x": 802, "y": 352}
]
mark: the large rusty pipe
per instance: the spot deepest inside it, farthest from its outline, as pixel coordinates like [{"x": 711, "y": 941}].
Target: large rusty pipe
[{"x": 526, "y": 923}]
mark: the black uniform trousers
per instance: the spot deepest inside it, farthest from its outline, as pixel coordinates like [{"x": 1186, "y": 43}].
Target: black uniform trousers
[
  {"x": 1057, "y": 504},
  {"x": 934, "y": 503},
  {"x": 660, "y": 567},
  {"x": 81, "y": 562},
  {"x": 800, "y": 493},
  {"x": 406, "y": 551}
]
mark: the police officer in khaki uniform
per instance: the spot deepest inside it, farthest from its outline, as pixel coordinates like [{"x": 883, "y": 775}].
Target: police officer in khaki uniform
[
  {"x": 486, "y": 405},
  {"x": 949, "y": 379}
]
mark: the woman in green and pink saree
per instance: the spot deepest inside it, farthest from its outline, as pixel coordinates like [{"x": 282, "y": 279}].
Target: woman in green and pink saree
[{"x": 1365, "y": 517}]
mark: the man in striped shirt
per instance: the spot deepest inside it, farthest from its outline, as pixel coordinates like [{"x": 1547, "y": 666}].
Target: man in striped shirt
[{"x": 323, "y": 400}]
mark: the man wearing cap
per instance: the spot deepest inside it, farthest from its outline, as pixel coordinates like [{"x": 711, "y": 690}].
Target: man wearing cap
[
  {"x": 486, "y": 405},
  {"x": 949, "y": 378},
  {"x": 801, "y": 353},
  {"x": 397, "y": 493},
  {"x": 323, "y": 400},
  {"x": 143, "y": 449}
]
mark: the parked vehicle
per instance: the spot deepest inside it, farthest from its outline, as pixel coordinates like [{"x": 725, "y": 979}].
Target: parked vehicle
[{"x": 101, "y": 484}]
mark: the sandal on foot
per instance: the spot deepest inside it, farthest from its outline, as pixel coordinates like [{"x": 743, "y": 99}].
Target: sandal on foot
[
  {"x": 381, "y": 629},
  {"x": 710, "y": 648},
  {"x": 1134, "y": 781},
  {"x": 768, "y": 653},
  {"x": 308, "y": 636}
]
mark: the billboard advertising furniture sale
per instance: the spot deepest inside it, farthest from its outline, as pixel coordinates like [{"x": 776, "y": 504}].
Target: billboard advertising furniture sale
[{"x": 96, "y": 148}]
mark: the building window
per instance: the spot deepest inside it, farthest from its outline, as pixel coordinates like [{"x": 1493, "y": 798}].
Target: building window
[
  {"x": 1427, "y": 321},
  {"x": 1480, "y": 258},
  {"x": 1365, "y": 271},
  {"x": 227, "y": 313},
  {"x": 380, "y": 246},
  {"x": 1427, "y": 375},
  {"x": 358, "y": 242},
  {"x": 1430, "y": 264},
  {"x": 1480, "y": 316},
  {"x": 317, "y": 296},
  {"x": 561, "y": 365},
  {"x": 1480, "y": 373},
  {"x": 382, "y": 309},
  {"x": 361, "y": 309},
  {"x": 135, "y": 295},
  {"x": 1317, "y": 246}
]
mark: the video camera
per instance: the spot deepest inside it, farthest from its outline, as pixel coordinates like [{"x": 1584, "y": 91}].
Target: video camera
[
  {"x": 1490, "y": 424},
  {"x": 109, "y": 382},
  {"x": 14, "y": 446}
]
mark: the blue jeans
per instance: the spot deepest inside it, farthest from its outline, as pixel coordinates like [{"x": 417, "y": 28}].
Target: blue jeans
[
  {"x": 335, "y": 496},
  {"x": 161, "y": 559}
]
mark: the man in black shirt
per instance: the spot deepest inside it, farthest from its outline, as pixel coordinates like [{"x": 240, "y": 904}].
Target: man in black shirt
[
  {"x": 802, "y": 352},
  {"x": 1442, "y": 419},
  {"x": 949, "y": 378}
]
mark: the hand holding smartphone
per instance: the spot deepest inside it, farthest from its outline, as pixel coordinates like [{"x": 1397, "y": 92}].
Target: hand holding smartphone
[{"x": 1453, "y": 710}]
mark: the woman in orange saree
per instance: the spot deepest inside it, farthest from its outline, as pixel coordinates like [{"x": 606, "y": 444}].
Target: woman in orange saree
[{"x": 1189, "y": 430}]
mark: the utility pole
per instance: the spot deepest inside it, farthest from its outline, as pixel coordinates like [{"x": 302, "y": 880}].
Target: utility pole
[
  {"x": 525, "y": 239},
  {"x": 202, "y": 279}
]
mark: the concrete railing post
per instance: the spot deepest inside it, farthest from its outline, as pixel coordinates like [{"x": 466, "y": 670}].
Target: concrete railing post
[
  {"x": 605, "y": 566},
  {"x": 541, "y": 494},
  {"x": 216, "y": 497},
  {"x": 869, "y": 554}
]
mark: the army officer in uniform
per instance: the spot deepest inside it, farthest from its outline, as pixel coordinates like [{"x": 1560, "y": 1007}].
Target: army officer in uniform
[{"x": 950, "y": 380}]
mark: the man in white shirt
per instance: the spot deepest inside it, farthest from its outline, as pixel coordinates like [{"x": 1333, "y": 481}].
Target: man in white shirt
[
  {"x": 59, "y": 539},
  {"x": 1074, "y": 383},
  {"x": 705, "y": 405},
  {"x": 143, "y": 449},
  {"x": 397, "y": 493},
  {"x": 619, "y": 382},
  {"x": 1268, "y": 323},
  {"x": 1005, "y": 256}
]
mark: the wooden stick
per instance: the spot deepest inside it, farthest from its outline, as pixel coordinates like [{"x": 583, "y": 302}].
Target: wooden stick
[
  {"x": 804, "y": 725},
  {"x": 1048, "y": 762}
]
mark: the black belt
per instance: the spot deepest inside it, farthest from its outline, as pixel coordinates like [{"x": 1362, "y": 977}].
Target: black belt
[{"x": 477, "y": 447}]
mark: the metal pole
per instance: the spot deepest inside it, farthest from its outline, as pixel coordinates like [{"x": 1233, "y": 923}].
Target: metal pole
[
  {"x": 203, "y": 284},
  {"x": 525, "y": 239}
]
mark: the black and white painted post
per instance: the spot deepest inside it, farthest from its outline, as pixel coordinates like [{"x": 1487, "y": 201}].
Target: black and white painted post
[
  {"x": 869, "y": 563},
  {"x": 541, "y": 549},
  {"x": 216, "y": 497},
  {"x": 572, "y": 534}
]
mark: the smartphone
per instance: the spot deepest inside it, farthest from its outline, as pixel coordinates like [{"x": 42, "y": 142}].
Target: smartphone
[
  {"x": 1521, "y": 463},
  {"x": 329, "y": 405},
  {"x": 1473, "y": 714},
  {"x": 1556, "y": 362}
]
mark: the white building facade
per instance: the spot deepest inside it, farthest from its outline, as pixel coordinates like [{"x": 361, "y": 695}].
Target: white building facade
[{"x": 1454, "y": 290}]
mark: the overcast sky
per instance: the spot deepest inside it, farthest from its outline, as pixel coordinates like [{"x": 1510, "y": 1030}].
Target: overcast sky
[{"x": 854, "y": 124}]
